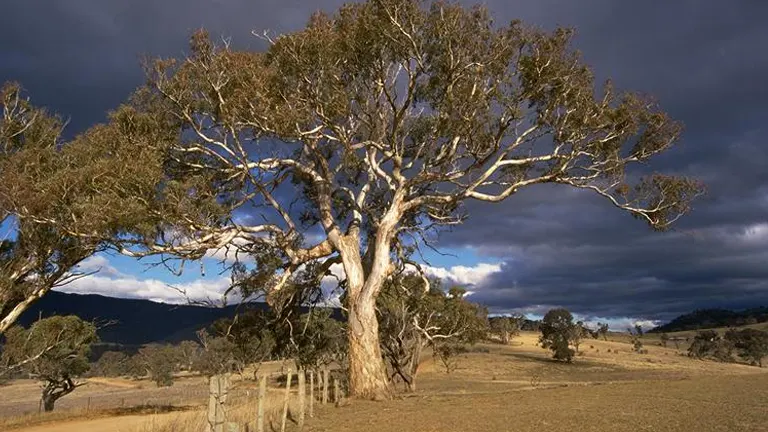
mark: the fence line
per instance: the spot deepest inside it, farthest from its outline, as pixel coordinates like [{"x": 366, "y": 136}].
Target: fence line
[{"x": 219, "y": 391}]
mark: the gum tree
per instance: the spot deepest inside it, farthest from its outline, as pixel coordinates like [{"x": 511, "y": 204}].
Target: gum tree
[
  {"x": 61, "y": 201},
  {"x": 53, "y": 350},
  {"x": 355, "y": 137}
]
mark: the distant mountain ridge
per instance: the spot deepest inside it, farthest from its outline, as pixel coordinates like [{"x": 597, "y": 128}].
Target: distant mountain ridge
[
  {"x": 138, "y": 321},
  {"x": 712, "y": 318}
]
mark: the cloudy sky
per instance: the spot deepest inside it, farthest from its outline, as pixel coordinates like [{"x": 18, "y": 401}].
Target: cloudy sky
[{"x": 705, "y": 61}]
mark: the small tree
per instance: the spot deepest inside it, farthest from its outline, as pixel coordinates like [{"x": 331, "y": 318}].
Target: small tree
[
  {"x": 577, "y": 333},
  {"x": 318, "y": 340},
  {"x": 751, "y": 343},
  {"x": 53, "y": 350},
  {"x": 664, "y": 339},
  {"x": 506, "y": 326},
  {"x": 250, "y": 337},
  {"x": 220, "y": 355},
  {"x": 639, "y": 330},
  {"x": 111, "y": 364},
  {"x": 602, "y": 329},
  {"x": 708, "y": 343},
  {"x": 160, "y": 362},
  {"x": 187, "y": 353},
  {"x": 557, "y": 329},
  {"x": 413, "y": 315}
]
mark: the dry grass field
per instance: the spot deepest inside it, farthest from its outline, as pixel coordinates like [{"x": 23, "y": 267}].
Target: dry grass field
[{"x": 495, "y": 388}]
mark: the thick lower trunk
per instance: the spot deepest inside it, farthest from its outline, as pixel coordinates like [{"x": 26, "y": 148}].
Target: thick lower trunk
[
  {"x": 367, "y": 374},
  {"x": 48, "y": 403}
]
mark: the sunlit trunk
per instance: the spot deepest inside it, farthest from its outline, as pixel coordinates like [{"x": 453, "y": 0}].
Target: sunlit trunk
[{"x": 367, "y": 374}]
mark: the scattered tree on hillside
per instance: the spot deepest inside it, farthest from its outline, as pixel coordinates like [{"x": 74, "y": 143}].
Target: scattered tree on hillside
[
  {"x": 602, "y": 329},
  {"x": 576, "y": 333},
  {"x": 219, "y": 355},
  {"x": 414, "y": 314},
  {"x": 708, "y": 343},
  {"x": 506, "y": 326},
  {"x": 53, "y": 350},
  {"x": 751, "y": 343},
  {"x": 385, "y": 118},
  {"x": 664, "y": 339},
  {"x": 638, "y": 330},
  {"x": 247, "y": 338},
  {"x": 635, "y": 334},
  {"x": 160, "y": 361},
  {"x": 187, "y": 353},
  {"x": 112, "y": 364},
  {"x": 557, "y": 329}
]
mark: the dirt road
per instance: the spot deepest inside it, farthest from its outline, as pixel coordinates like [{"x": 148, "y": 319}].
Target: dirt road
[{"x": 110, "y": 424}]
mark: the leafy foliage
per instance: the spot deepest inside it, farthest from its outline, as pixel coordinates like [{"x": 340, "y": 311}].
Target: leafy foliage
[
  {"x": 160, "y": 362},
  {"x": 53, "y": 350},
  {"x": 506, "y": 326},
  {"x": 557, "y": 333},
  {"x": 709, "y": 344},
  {"x": 412, "y": 318},
  {"x": 112, "y": 364},
  {"x": 752, "y": 344}
]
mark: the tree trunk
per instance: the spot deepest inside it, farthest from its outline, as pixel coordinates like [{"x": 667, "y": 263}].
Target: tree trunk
[
  {"x": 367, "y": 374},
  {"x": 48, "y": 403},
  {"x": 505, "y": 337},
  {"x": 414, "y": 366}
]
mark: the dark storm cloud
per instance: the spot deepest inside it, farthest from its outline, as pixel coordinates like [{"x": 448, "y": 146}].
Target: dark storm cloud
[{"x": 704, "y": 61}]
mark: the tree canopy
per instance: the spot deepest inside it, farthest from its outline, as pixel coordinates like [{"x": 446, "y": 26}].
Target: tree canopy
[
  {"x": 558, "y": 333},
  {"x": 53, "y": 350}
]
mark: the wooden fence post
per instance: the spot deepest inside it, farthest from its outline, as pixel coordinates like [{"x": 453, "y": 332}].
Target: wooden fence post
[
  {"x": 325, "y": 386},
  {"x": 302, "y": 396},
  {"x": 217, "y": 397},
  {"x": 262, "y": 397},
  {"x": 311, "y": 393},
  {"x": 336, "y": 397},
  {"x": 286, "y": 399}
]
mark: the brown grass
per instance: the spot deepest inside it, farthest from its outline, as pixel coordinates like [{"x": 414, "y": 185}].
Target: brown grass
[
  {"x": 497, "y": 388},
  {"x": 242, "y": 412}
]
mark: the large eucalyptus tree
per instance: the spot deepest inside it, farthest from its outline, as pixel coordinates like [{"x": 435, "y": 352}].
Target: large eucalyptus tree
[{"x": 347, "y": 141}]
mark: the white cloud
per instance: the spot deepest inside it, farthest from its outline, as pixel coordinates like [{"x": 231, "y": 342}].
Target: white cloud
[
  {"x": 126, "y": 286},
  {"x": 463, "y": 275},
  {"x": 99, "y": 264}
]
